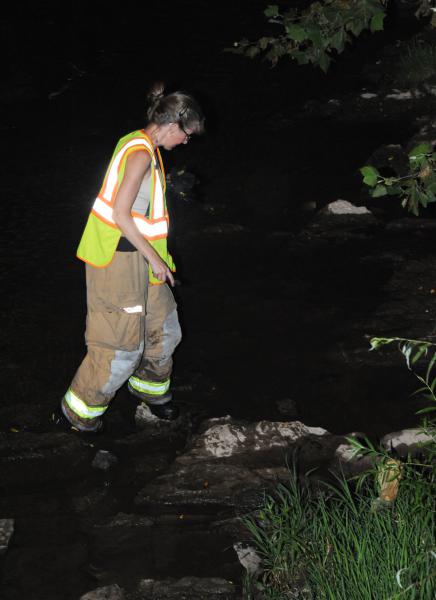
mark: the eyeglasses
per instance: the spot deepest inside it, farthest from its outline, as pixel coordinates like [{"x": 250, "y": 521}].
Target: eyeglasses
[{"x": 188, "y": 135}]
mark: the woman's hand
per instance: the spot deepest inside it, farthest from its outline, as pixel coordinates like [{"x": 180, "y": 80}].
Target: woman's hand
[{"x": 161, "y": 270}]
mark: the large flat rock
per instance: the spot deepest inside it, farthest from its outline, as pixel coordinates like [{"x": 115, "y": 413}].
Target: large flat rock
[{"x": 231, "y": 464}]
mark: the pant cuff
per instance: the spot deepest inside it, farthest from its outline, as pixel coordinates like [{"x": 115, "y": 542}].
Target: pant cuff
[
  {"x": 151, "y": 400},
  {"x": 78, "y": 423}
]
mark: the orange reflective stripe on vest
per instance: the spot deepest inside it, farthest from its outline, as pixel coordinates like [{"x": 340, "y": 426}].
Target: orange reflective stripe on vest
[{"x": 151, "y": 229}]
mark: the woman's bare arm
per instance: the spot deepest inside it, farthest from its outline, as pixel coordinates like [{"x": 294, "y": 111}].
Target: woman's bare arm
[{"x": 137, "y": 166}]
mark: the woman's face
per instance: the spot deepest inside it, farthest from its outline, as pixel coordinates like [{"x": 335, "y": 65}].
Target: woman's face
[{"x": 175, "y": 136}]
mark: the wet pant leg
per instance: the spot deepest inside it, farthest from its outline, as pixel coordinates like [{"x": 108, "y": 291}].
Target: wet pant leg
[
  {"x": 115, "y": 328},
  {"x": 151, "y": 380}
]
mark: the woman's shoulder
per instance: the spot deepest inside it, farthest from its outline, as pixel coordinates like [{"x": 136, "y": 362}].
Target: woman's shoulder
[{"x": 134, "y": 142}]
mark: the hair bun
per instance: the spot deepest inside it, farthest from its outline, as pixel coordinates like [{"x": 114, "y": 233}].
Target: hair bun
[{"x": 156, "y": 92}]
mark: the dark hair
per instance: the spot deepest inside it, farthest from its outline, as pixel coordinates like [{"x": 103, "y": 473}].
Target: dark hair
[{"x": 177, "y": 107}]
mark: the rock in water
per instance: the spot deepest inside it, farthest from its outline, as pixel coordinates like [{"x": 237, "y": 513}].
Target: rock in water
[
  {"x": 224, "y": 437},
  {"x": 340, "y": 220},
  {"x": 407, "y": 440},
  {"x": 343, "y": 207},
  {"x": 104, "y": 460},
  {"x": 230, "y": 464},
  {"x": 144, "y": 416},
  {"x": 109, "y": 592},
  {"x": 249, "y": 558}
]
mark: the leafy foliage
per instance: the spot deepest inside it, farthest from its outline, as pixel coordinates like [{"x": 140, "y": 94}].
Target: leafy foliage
[
  {"x": 416, "y": 189},
  {"x": 316, "y": 34}
]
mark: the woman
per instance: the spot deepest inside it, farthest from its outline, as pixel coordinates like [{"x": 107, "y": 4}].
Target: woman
[{"x": 132, "y": 327}]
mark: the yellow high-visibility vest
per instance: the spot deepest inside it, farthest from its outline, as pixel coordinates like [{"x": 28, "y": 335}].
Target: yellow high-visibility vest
[{"x": 101, "y": 234}]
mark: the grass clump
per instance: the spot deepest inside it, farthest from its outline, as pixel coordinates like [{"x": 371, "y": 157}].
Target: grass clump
[{"x": 342, "y": 545}]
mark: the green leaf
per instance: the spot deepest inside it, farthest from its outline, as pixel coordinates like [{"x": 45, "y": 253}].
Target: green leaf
[
  {"x": 394, "y": 190},
  {"x": 355, "y": 26},
  {"x": 337, "y": 41},
  {"x": 426, "y": 410},
  {"x": 430, "y": 197},
  {"x": 313, "y": 33},
  {"x": 413, "y": 199},
  {"x": 370, "y": 175},
  {"x": 423, "y": 199},
  {"x": 324, "y": 62},
  {"x": 378, "y": 191},
  {"x": 296, "y": 32},
  {"x": 418, "y": 151},
  {"x": 271, "y": 11},
  {"x": 430, "y": 367},
  {"x": 376, "y": 23},
  {"x": 376, "y": 342},
  {"x": 419, "y": 391},
  {"x": 301, "y": 57},
  {"x": 422, "y": 350}
]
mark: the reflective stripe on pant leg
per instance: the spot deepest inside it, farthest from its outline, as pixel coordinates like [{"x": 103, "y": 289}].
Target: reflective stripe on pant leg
[
  {"x": 148, "y": 398},
  {"x": 153, "y": 388},
  {"x": 91, "y": 424},
  {"x": 81, "y": 409}
]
